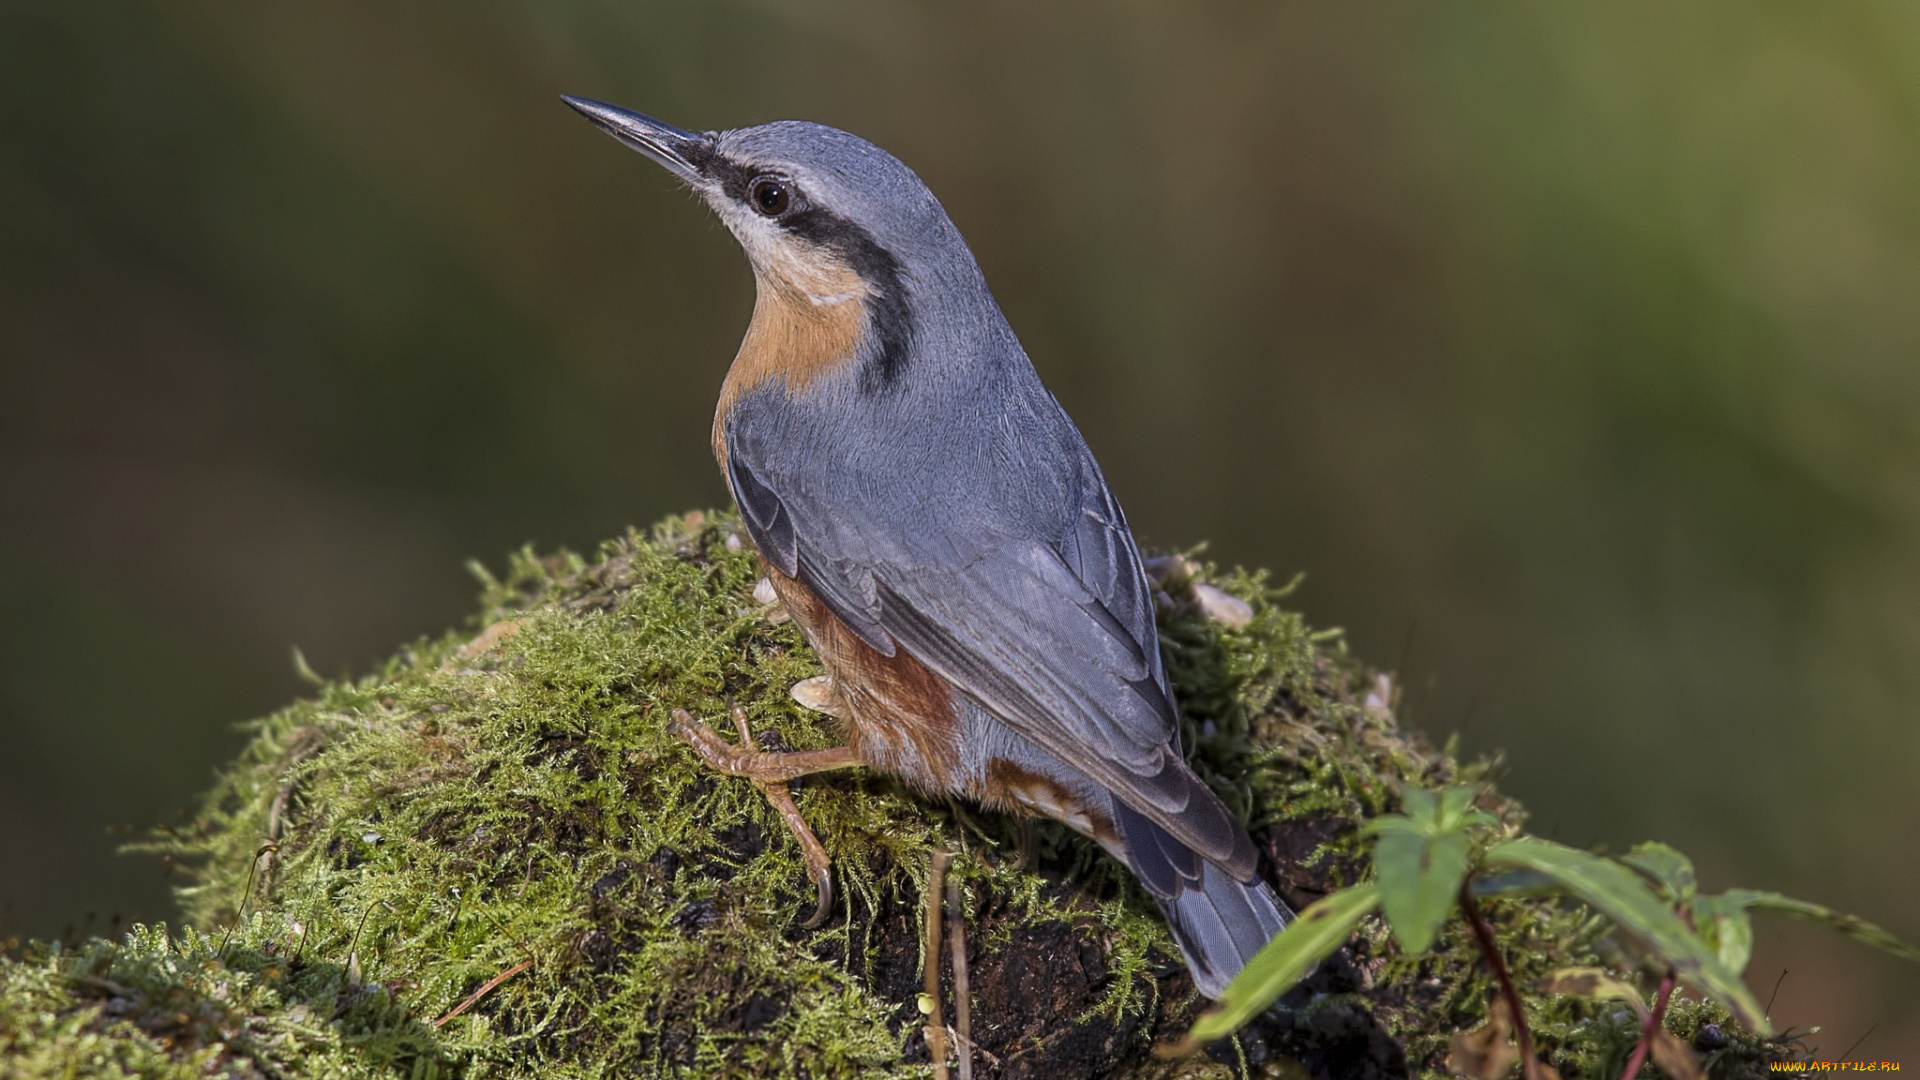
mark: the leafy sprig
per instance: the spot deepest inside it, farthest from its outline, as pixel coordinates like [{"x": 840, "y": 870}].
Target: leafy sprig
[{"x": 1435, "y": 859}]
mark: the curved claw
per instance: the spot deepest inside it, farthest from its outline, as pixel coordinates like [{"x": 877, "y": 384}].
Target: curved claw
[
  {"x": 819, "y": 867},
  {"x": 771, "y": 772},
  {"x": 823, "y": 883}
]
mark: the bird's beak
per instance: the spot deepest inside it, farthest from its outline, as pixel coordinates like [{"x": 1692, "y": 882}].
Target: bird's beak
[{"x": 682, "y": 152}]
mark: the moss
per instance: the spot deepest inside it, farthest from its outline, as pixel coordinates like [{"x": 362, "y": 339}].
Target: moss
[{"x": 506, "y": 802}]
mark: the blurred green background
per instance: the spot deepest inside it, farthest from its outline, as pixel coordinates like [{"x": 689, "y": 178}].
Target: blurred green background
[{"x": 1573, "y": 353}]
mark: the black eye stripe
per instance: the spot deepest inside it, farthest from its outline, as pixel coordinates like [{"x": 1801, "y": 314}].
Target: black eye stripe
[
  {"x": 741, "y": 181},
  {"x": 892, "y": 317},
  {"x": 732, "y": 176},
  {"x": 881, "y": 270}
]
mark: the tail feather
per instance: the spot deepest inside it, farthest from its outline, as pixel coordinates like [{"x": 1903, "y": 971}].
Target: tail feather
[
  {"x": 1221, "y": 925},
  {"x": 1218, "y": 920}
]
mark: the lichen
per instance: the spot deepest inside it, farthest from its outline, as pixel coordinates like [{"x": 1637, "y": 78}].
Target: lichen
[{"x": 488, "y": 858}]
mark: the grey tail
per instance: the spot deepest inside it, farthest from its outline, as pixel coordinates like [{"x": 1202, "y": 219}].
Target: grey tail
[
  {"x": 1218, "y": 921},
  {"x": 1221, "y": 925}
]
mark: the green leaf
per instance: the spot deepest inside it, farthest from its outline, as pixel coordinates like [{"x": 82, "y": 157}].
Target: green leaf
[
  {"x": 1448, "y": 810},
  {"x": 1418, "y": 877},
  {"x": 1396, "y": 823},
  {"x": 1722, "y": 923},
  {"x": 1456, "y": 806},
  {"x": 1851, "y": 925},
  {"x": 1665, "y": 867},
  {"x": 1620, "y": 895},
  {"x": 1420, "y": 859},
  {"x": 1514, "y": 883},
  {"x": 1323, "y": 927},
  {"x": 1420, "y": 805}
]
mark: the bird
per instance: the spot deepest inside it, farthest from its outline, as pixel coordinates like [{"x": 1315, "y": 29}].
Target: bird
[{"x": 940, "y": 532}]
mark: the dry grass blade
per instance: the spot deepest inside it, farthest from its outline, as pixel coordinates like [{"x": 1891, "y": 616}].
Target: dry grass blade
[{"x": 485, "y": 989}]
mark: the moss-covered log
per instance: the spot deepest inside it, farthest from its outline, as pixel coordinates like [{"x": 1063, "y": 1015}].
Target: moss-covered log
[{"x": 489, "y": 858}]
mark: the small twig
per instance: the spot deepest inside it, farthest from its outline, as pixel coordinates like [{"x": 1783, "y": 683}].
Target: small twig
[
  {"x": 936, "y": 1027},
  {"x": 485, "y": 989},
  {"x": 1649, "y": 1027},
  {"x": 277, "y": 813},
  {"x": 962, "y": 1007},
  {"x": 1858, "y": 1041},
  {"x": 276, "y": 818},
  {"x": 1483, "y": 934},
  {"x": 518, "y": 941},
  {"x": 526, "y": 879},
  {"x": 1784, "y": 972},
  {"x": 981, "y": 1050},
  {"x": 245, "y": 895},
  {"x": 353, "y": 947}
]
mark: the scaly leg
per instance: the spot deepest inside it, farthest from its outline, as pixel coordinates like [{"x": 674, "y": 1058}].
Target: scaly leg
[{"x": 772, "y": 771}]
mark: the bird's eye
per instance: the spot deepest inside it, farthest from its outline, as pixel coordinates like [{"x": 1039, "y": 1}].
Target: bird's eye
[{"x": 771, "y": 196}]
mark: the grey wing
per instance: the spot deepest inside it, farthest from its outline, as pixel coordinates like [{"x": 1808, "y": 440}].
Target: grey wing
[
  {"x": 1101, "y": 553},
  {"x": 1056, "y": 637}
]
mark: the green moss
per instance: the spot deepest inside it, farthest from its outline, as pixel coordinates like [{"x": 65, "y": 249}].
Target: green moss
[{"x": 508, "y": 801}]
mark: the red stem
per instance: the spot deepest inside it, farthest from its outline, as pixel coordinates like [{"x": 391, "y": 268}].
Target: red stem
[
  {"x": 1483, "y": 934},
  {"x": 1641, "y": 1048}
]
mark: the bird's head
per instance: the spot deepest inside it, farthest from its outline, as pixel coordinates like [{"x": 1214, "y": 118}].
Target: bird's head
[{"x": 825, "y": 217}]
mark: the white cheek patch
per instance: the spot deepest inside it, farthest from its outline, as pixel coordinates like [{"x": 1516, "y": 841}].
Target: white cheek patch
[
  {"x": 790, "y": 264},
  {"x": 831, "y": 299}
]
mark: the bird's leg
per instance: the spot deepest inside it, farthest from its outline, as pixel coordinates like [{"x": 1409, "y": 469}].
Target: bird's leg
[{"x": 771, "y": 771}]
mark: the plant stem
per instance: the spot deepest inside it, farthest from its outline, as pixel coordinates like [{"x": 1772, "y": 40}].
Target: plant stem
[
  {"x": 962, "y": 1007},
  {"x": 1641, "y": 1048},
  {"x": 1483, "y": 934},
  {"x": 936, "y": 1024}
]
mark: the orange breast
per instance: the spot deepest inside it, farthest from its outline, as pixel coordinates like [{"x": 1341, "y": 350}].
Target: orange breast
[
  {"x": 898, "y": 715},
  {"x": 808, "y": 314}
]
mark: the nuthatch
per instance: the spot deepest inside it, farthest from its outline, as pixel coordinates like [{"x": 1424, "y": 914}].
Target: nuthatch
[{"x": 940, "y": 532}]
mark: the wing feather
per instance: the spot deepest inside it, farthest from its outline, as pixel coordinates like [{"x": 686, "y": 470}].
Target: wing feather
[{"x": 1054, "y": 635}]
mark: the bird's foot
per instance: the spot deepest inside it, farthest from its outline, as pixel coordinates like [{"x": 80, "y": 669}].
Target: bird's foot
[
  {"x": 818, "y": 694},
  {"x": 772, "y": 771}
]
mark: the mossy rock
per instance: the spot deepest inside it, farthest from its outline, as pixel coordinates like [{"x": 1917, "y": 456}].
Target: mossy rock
[{"x": 489, "y": 858}]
